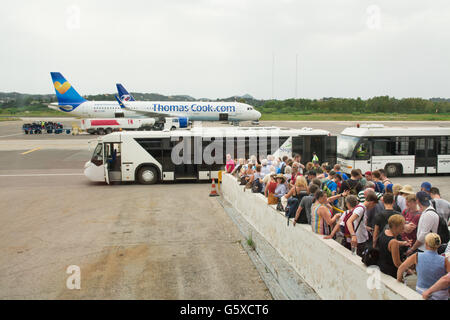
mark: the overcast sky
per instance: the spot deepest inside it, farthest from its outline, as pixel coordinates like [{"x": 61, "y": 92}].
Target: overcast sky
[{"x": 220, "y": 48}]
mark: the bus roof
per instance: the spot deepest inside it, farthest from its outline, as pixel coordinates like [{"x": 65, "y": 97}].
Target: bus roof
[
  {"x": 218, "y": 132},
  {"x": 395, "y": 131}
]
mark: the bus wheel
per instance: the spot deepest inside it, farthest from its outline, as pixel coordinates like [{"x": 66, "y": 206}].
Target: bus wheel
[
  {"x": 147, "y": 175},
  {"x": 392, "y": 170},
  {"x": 101, "y": 131},
  {"x": 108, "y": 130},
  {"x": 173, "y": 128}
]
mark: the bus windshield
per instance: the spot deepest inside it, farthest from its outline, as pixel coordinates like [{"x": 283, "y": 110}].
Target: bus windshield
[
  {"x": 97, "y": 157},
  {"x": 346, "y": 145}
]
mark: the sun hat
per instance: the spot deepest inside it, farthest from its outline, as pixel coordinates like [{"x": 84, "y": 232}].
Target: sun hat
[{"x": 407, "y": 189}]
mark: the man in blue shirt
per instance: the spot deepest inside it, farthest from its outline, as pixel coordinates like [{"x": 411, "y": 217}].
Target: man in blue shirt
[{"x": 337, "y": 169}]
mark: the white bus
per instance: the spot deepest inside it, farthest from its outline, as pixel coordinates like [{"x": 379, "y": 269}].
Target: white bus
[
  {"x": 148, "y": 157},
  {"x": 398, "y": 150}
]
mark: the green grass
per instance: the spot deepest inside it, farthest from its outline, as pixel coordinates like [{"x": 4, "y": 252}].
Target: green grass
[
  {"x": 250, "y": 242},
  {"x": 355, "y": 116}
]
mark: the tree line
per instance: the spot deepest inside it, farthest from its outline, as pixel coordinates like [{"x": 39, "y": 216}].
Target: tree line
[{"x": 382, "y": 104}]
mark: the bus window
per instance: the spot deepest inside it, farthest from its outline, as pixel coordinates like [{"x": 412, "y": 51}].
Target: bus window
[
  {"x": 97, "y": 157},
  {"x": 443, "y": 145},
  {"x": 346, "y": 145},
  {"x": 382, "y": 147},
  {"x": 363, "y": 150}
]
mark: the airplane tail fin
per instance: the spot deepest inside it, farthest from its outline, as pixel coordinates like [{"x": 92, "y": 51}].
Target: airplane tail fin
[
  {"x": 65, "y": 93},
  {"x": 119, "y": 101},
  {"x": 123, "y": 93}
]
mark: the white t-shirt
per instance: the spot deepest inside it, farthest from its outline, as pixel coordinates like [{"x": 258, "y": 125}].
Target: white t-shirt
[
  {"x": 428, "y": 222},
  {"x": 401, "y": 202},
  {"x": 361, "y": 234}
]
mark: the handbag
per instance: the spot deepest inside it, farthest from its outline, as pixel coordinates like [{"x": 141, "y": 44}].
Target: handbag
[{"x": 271, "y": 199}]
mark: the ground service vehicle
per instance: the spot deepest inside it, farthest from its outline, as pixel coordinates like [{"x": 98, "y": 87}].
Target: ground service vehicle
[
  {"x": 197, "y": 153},
  {"x": 398, "y": 150},
  {"x": 106, "y": 126}
]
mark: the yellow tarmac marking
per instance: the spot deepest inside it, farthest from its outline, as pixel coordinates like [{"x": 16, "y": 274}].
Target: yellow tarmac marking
[{"x": 31, "y": 150}]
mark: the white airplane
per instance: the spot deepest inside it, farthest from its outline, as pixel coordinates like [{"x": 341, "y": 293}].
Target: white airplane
[{"x": 71, "y": 102}]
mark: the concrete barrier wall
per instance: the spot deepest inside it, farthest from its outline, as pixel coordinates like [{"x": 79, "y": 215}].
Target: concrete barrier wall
[{"x": 329, "y": 268}]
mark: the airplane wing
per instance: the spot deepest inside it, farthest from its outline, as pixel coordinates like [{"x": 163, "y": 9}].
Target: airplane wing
[{"x": 142, "y": 112}]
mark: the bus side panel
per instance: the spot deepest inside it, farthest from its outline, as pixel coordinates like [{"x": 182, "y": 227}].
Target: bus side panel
[
  {"x": 134, "y": 155},
  {"x": 407, "y": 162},
  {"x": 346, "y": 165},
  {"x": 443, "y": 163}
]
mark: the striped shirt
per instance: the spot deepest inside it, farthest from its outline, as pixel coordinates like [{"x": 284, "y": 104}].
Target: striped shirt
[
  {"x": 318, "y": 223},
  {"x": 362, "y": 198}
]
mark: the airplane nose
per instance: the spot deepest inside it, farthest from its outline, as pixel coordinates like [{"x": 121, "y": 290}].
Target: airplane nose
[{"x": 258, "y": 114}]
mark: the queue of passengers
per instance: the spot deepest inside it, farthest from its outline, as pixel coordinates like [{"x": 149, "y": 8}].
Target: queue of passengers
[{"x": 390, "y": 225}]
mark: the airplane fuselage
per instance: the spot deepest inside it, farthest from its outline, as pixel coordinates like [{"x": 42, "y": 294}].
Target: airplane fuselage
[{"x": 195, "y": 111}]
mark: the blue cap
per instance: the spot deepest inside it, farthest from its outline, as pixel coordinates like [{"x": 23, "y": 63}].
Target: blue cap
[
  {"x": 389, "y": 187},
  {"x": 426, "y": 186},
  {"x": 423, "y": 197}
]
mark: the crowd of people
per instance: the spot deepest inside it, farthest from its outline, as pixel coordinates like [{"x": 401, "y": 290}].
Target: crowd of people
[{"x": 390, "y": 225}]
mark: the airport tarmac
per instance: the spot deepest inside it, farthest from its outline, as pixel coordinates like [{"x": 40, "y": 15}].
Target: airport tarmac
[
  {"x": 12, "y": 130},
  {"x": 130, "y": 241}
]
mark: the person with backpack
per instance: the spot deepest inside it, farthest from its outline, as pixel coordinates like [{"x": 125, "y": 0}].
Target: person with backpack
[
  {"x": 330, "y": 186},
  {"x": 256, "y": 180},
  {"x": 381, "y": 219},
  {"x": 337, "y": 169},
  {"x": 352, "y": 184},
  {"x": 304, "y": 208},
  {"x": 294, "y": 197},
  {"x": 356, "y": 223},
  {"x": 379, "y": 186},
  {"x": 430, "y": 267},
  {"x": 384, "y": 179},
  {"x": 441, "y": 206},
  {"x": 351, "y": 202},
  {"x": 428, "y": 222}
]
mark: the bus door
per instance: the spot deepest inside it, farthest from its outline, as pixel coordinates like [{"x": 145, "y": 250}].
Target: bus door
[
  {"x": 187, "y": 169},
  {"x": 317, "y": 145},
  {"x": 331, "y": 147},
  {"x": 426, "y": 155},
  {"x": 112, "y": 158},
  {"x": 363, "y": 158}
]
